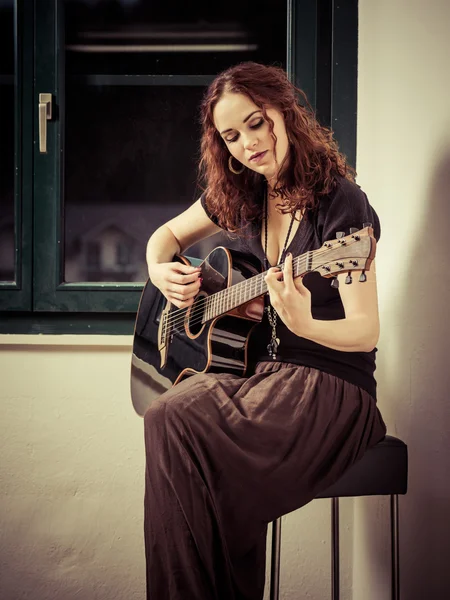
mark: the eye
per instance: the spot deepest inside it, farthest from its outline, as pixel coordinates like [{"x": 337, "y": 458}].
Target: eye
[{"x": 257, "y": 125}]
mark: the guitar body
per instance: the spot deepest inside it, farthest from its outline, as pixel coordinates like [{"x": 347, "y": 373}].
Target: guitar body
[{"x": 219, "y": 345}]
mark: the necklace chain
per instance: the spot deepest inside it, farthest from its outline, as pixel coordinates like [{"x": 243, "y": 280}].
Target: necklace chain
[{"x": 272, "y": 346}]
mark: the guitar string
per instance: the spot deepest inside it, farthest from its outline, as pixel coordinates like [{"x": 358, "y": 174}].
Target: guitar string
[
  {"x": 247, "y": 286},
  {"x": 179, "y": 315}
]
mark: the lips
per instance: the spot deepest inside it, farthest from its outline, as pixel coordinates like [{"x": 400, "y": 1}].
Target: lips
[{"x": 258, "y": 155}]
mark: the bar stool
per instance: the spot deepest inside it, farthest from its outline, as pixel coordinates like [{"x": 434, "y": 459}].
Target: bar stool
[{"x": 383, "y": 470}]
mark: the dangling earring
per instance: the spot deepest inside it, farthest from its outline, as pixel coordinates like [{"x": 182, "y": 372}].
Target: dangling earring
[{"x": 230, "y": 166}]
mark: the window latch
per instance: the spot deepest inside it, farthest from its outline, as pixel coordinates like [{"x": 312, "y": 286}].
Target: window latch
[{"x": 45, "y": 114}]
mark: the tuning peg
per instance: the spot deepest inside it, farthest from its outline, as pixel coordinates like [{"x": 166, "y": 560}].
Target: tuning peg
[
  {"x": 348, "y": 279},
  {"x": 340, "y": 234},
  {"x": 335, "y": 283},
  {"x": 367, "y": 224},
  {"x": 362, "y": 277},
  {"x": 353, "y": 229}
]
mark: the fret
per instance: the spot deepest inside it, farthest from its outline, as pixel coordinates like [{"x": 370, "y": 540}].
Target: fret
[{"x": 214, "y": 307}]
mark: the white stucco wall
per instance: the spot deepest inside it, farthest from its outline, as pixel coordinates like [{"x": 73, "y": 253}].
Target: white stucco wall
[
  {"x": 403, "y": 164},
  {"x": 71, "y": 473},
  {"x": 72, "y": 481}
]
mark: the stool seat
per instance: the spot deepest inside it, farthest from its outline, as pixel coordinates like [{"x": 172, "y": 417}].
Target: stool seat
[{"x": 383, "y": 470}]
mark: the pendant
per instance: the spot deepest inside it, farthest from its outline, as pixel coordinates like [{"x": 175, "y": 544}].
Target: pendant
[{"x": 272, "y": 348}]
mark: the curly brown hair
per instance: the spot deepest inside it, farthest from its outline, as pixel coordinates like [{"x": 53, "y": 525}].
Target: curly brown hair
[{"x": 236, "y": 199}]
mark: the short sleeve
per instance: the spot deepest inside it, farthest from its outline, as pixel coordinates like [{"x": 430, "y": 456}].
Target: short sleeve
[
  {"x": 207, "y": 211},
  {"x": 346, "y": 207}
]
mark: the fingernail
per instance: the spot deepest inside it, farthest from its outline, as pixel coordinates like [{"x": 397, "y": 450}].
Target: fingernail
[{"x": 289, "y": 254}]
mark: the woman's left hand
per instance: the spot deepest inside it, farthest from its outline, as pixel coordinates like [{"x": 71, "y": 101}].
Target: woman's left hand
[{"x": 289, "y": 297}]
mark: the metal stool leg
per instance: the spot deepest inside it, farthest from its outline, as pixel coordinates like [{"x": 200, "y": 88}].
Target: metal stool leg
[
  {"x": 335, "y": 594},
  {"x": 275, "y": 560},
  {"x": 395, "y": 548}
]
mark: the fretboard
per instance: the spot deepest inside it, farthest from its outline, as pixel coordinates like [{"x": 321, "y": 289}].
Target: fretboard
[{"x": 222, "y": 302}]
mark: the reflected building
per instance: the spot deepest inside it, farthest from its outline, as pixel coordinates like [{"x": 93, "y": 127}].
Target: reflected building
[{"x": 108, "y": 243}]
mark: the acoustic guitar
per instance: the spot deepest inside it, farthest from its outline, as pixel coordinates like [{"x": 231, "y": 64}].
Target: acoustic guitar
[{"x": 212, "y": 334}]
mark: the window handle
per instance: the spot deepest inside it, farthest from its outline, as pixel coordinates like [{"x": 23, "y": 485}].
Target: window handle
[{"x": 45, "y": 114}]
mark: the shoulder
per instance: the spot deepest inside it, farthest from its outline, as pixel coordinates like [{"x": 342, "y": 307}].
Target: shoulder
[
  {"x": 207, "y": 209},
  {"x": 347, "y": 195},
  {"x": 345, "y": 206}
]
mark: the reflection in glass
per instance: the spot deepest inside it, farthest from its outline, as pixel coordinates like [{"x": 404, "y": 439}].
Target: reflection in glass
[
  {"x": 135, "y": 73},
  {"x": 7, "y": 190}
]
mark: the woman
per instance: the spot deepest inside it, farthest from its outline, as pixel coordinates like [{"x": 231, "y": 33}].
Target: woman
[{"x": 227, "y": 455}]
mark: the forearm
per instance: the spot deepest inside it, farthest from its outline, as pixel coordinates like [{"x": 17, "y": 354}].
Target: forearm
[
  {"x": 357, "y": 333},
  {"x": 161, "y": 247}
]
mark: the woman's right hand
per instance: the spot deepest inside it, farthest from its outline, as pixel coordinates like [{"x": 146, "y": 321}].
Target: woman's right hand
[{"x": 178, "y": 282}]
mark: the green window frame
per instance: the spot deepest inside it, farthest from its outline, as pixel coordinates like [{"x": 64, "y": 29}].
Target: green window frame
[
  {"x": 17, "y": 296},
  {"x": 321, "y": 58}
]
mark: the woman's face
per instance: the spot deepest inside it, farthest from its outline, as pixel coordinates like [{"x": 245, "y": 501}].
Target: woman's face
[{"x": 247, "y": 135}]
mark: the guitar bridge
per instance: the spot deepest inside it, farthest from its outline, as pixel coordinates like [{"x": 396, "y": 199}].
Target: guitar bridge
[{"x": 164, "y": 335}]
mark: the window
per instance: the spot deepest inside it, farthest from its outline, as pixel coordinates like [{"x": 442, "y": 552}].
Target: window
[{"x": 117, "y": 88}]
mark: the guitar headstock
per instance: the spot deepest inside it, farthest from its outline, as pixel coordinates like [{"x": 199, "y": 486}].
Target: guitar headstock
[{"x": 346, "y": 253}]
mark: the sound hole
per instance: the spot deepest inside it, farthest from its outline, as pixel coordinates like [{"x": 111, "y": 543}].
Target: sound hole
[{"x": 195, "y": 315}]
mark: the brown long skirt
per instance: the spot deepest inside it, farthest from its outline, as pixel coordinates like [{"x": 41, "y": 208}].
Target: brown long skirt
[{"x": 227, "y": 455}]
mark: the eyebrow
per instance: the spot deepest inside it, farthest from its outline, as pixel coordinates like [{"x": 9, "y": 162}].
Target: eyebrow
[{"x": 244, "y": 121}]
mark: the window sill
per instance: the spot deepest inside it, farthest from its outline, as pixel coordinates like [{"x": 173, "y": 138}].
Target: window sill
[{"x": 102, "y": 341}]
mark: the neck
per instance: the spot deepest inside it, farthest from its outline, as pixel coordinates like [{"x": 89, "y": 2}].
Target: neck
[{"x": 271, "y": 181}]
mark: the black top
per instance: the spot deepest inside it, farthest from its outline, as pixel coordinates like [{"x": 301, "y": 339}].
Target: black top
[{"x": 346, "y": 206}]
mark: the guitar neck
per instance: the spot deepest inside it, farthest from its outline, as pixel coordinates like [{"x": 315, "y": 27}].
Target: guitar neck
[
  {"x": 353, "y": 252},
  {"x": 220, "y": 303}
]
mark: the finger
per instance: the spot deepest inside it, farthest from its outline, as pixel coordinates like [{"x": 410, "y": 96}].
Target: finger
[
  {"x": 287, "y": 272},
  {"x": 274, "y": 274},
  {"x": 186, "y": 269},
  {"x": 183, "y": 279},
  {"x": 184, "y": 290},
  {"x": 272, "y": 287},
  {"x": 180, "y": 303},
  {"x": 183, "y": 296}
]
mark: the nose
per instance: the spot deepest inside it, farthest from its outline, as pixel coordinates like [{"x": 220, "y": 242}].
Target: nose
[{"x": 250, "y": 141}]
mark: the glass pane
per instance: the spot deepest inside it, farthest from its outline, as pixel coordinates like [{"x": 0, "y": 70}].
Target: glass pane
[
  {"x": 135, "y": 72},
  {"x": 7, "y": 145}
]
